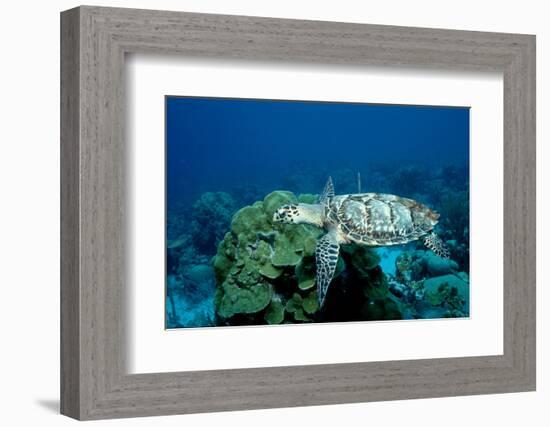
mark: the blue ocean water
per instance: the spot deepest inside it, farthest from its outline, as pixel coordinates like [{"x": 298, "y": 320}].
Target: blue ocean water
[{"x": 224, "y": 154}]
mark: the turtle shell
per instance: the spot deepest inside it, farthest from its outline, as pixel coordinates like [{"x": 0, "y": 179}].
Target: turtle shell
[{"x": 377, "y": 219}]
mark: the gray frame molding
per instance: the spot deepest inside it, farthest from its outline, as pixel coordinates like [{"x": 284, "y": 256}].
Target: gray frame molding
[{"x": 94, "y": 382}]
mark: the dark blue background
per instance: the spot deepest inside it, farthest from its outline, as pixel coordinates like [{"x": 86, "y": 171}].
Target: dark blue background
[{"x": 216, "y": 144}]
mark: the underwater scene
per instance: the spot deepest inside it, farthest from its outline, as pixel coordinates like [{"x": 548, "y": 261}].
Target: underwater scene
[{"x": 288, "y": 212}]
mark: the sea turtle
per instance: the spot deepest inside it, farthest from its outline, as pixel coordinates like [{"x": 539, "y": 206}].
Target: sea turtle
[{"x": 369, "y": 219}]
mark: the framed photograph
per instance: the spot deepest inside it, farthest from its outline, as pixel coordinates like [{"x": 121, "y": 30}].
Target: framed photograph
[
  {"x": 253, "y": 255},
  {"x": 263, "y": 213}
]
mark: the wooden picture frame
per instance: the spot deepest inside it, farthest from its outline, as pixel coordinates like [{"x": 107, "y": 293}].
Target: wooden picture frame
[{"x": 94, "y": 382}]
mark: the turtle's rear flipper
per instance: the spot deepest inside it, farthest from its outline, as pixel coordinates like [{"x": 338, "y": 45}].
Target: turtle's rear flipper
[
  {"x": 436, "y": 245},
  {"x": 326, "y": 257}
]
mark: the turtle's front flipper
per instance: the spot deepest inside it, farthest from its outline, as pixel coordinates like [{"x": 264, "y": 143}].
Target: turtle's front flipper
[
  {"x": 433, "y": 242},
  {"x": 326, "y": 257},
  {"x": 328, "y": 192}
]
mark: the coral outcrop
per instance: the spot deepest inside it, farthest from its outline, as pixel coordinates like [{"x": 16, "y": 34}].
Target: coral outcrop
[
  {"x": 419, "y": 264},
  {"x": 228, "y": 267},
  {"x": 449, "y": 293},
  {"x": 210, "y": 219},
  {"x": 431, "y": 286},
  {"x": 265, "y": 273}
]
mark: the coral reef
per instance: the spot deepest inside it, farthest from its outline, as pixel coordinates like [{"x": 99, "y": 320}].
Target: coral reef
[
  {"x": 265, "y": 273},
  {"x": 192, "y": 237},
  {"x": 230, "y": 266},
  {"x": 449, "y": 293},
  {"x": 455, "y": 222},
  {"x": 275, "y": 312},
  {"x": 189, "y": 301},
  {"x": 408, "y": 179},
  {"x": 210, "y": 219},
  {"x": 418, "y": 264},
  {"x": 430, "y": 286},
  {"x": 237, "y": 299}
]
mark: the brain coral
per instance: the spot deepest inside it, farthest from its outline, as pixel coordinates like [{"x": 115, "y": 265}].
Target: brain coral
[{"x": 265, "y": 272}]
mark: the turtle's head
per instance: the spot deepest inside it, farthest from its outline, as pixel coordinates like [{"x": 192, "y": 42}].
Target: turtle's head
[
  {"x": 287, "y": 214},
  {"x": 301, "y": 213}
]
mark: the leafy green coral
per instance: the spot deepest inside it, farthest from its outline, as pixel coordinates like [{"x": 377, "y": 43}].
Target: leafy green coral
[
  {"x": 254, "y": 255},
  {"x": 286, "y": 252},
  {"x": 270, "y": 271},
  {"x": 305, "y": 274},
  {"x": 275, "y": 312},
  {"x": 244, "y": 300},
  {"x": 271, "y": 268},
  {"x": 249, "y": 221},
  {"x": 295, "y": 306},
  {"x": 310, "y": 303}
]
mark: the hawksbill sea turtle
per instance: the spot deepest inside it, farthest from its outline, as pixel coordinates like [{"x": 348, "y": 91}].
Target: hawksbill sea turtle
[{"x": 368, "y": 219}]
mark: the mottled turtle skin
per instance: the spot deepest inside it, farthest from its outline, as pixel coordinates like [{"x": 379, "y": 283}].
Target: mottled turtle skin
[{"x": 375, "y": 219}]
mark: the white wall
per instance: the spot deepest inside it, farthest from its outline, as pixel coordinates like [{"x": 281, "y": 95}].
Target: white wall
[{"x": 29, "y": 226}]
